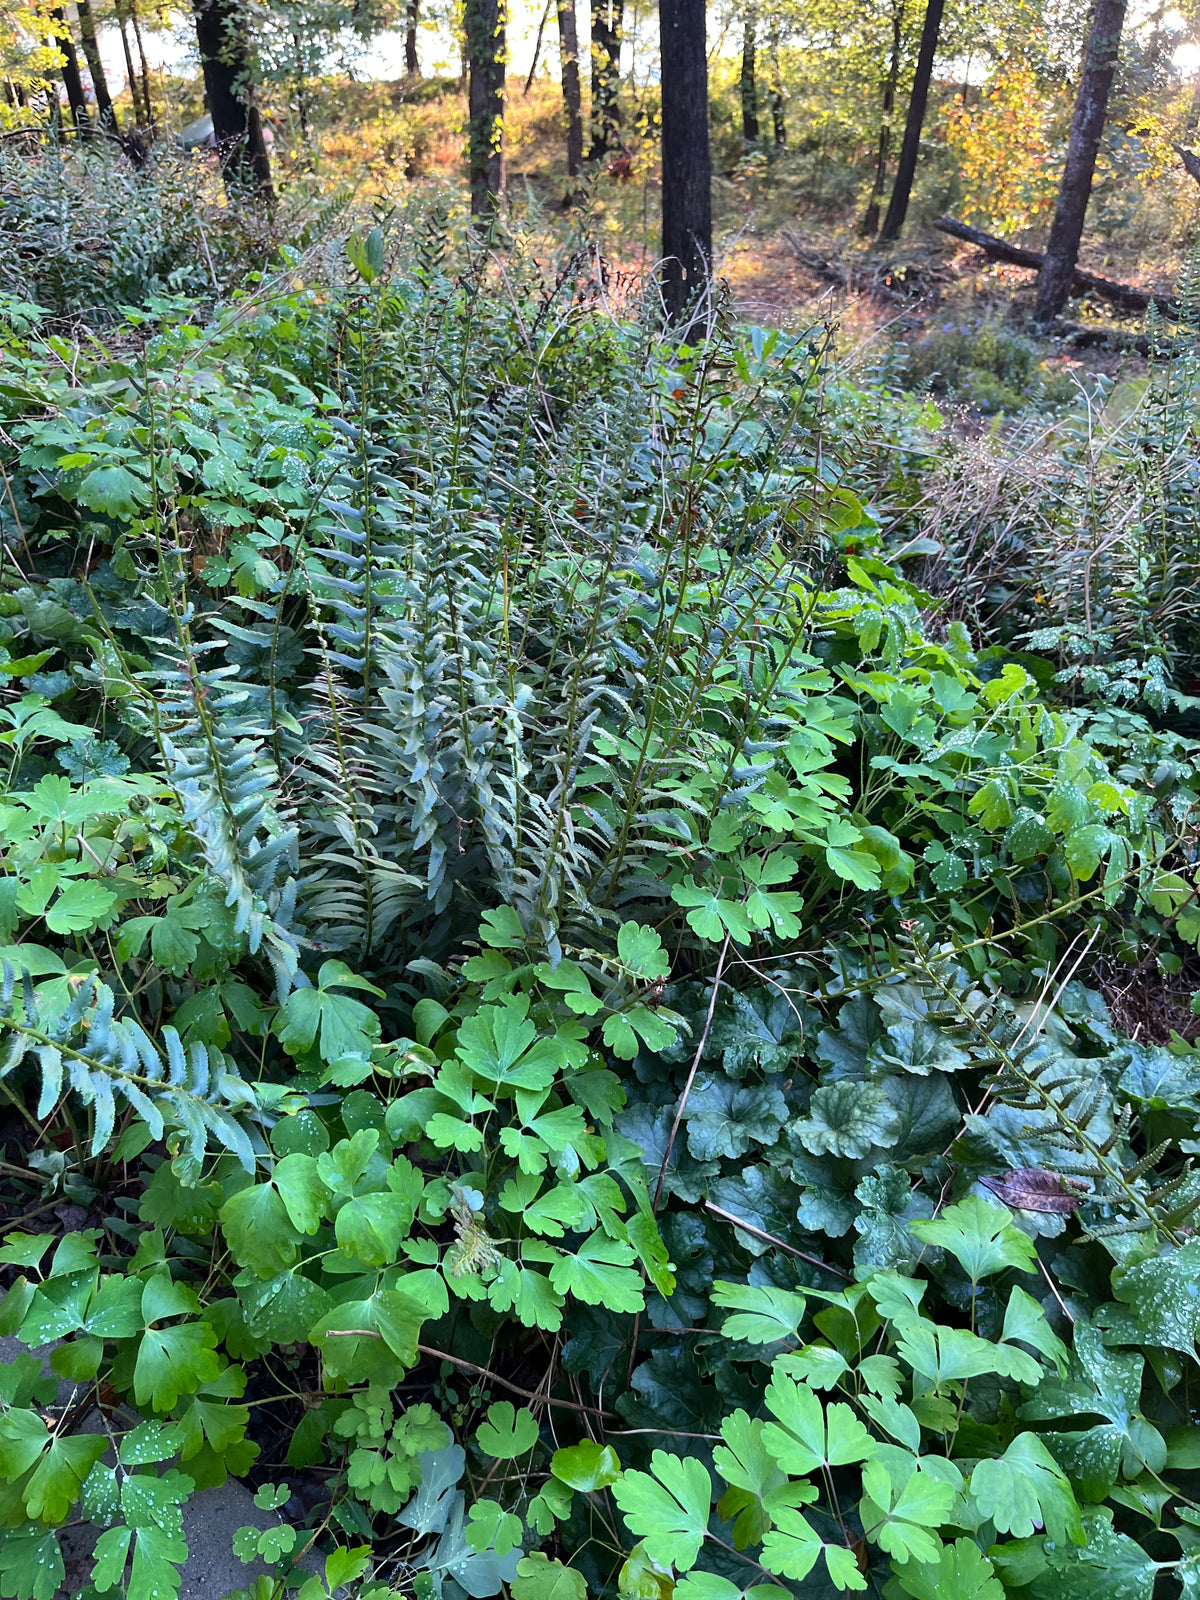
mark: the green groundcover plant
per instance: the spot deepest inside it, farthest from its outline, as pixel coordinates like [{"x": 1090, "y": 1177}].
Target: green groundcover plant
[{"x": 547, "y": 1001}]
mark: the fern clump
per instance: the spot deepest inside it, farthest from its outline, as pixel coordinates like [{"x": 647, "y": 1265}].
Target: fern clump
[{"x": 551, "y": 999}]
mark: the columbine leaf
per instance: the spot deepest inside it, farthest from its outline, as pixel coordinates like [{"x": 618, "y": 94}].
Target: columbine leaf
[
  {"x": 31, "y": 1563},
  {"x": 600, "y": 1273},
  {"x": 1025, "y": 1489},
  {"x": 641, "y": 949},
  {"x": 980, "y": 1236},
  {"x": 899, "y": 1512},
  {"x": 174, "y": 1361},
  {"x": 668, "y": 1511},
  {"x": 792, "y": 1548},
  {"x": 507, "y": 1433},
  {"x": 962, "y": 1572},
  {"x": 808, "y": 1435},
  {"x": 80, "y": 906},
  {"x": 540, "y": 1578},
  {"x": 586, "y": 1466},
  {"x": 710, "y": 915},
  {"x": 1024, "y": 1320},
  {"x": 762, "y": 1313}
]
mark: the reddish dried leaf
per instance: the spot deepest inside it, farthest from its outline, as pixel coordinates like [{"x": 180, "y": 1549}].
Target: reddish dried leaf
[{"x": 1034, "y": 1189}]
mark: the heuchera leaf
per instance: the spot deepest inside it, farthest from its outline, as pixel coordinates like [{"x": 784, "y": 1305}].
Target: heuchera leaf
[
  {"x": 848, "y": 1119},
  {"x": 726, "y": 1119}
]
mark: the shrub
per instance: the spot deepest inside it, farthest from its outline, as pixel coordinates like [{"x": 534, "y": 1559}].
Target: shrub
[{"x": 988, "y": 367}]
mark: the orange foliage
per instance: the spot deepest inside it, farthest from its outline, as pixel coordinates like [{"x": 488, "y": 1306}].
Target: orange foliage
[{"x": 1009, "y": 164}]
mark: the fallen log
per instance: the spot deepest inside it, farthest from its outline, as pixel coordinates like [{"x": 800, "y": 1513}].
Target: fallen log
[{"x": 1119, "y": 294}]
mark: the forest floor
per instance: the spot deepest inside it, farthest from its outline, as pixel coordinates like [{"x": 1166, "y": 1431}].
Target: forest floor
[{"x": 785, "y": 232}]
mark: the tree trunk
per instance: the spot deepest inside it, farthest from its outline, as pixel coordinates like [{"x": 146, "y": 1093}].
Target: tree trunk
[
  {"x": 1193, "y": 116},
  {"x": 237, "y": 128},
  {"x": 76, "y": 98},
  {"x": 91, "y": 49},
  {"x": 484, "y": 24},
  {"x": 137, "y": 33},
  {"x": 301, "y": 85},
  {"x": 412, "y": 16},
  {"x": 1128, "y": 295},
  {"x": 1074, "y": 191},
  {"x": 131, "y": 76},
  {"x": 686, "y": 161},
  {"x": 568, "y": 49},
  {"x": 749, "y": 85},
  {"x": 906, "y": 167},
  {"x": 607, "y": 24},
  {"x": 870, "y": 222},
  {"x": 776, "y": 96},
  {"x": 537, "y": 48}
]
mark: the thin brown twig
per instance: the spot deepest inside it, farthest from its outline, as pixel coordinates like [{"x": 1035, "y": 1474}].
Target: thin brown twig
[
  {"x": 663, "y": 1433},
  {"x": 28, "y": 1216},
  {"x": 493, "y": 1377},
  {"x": 1054, "y": 1290},
  {"x": 782, "y": 1244},
  {"x": 691, "y": 1077},
  {"x": 471, "y": 1366}
]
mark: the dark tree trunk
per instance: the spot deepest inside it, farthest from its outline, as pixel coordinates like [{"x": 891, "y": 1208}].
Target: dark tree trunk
[
  {"x": 301, "y": 85},
  {"x": 775, "y": 94},
  {"x": 91, "y": 50},
  {"x": 412, "y": 16},
  {"x": 1074, "y": 191},
  {"x": 870, "y": 222},
  {"x": 139, "y": 115},
  {"x": 686, "y": 162},
  {"x": 749, "y": 84},
  {"x": 484, "y": 22},
  {"x": 537, "y": 47},
  {"x": 137, "y": 33},
  {"x": 76, "y": 98},
  {"x": 568, "y": 49},
  {"x": 906, "y": 167},
  {"x": 237, "y": 128},
  {"x": 607, "y": 23}
]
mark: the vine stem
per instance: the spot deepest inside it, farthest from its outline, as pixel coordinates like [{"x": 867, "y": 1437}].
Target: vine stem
[{"x": 691, "y": 1077}]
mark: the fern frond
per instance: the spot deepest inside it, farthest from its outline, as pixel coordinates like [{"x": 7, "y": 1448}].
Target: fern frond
[
  {"x": 86, "y": 1049},
  {"x": 1077, "y": 1116}
]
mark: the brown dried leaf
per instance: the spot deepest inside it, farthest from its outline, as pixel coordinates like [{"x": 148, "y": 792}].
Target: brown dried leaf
[{"x": 1034, "y": 1189}]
